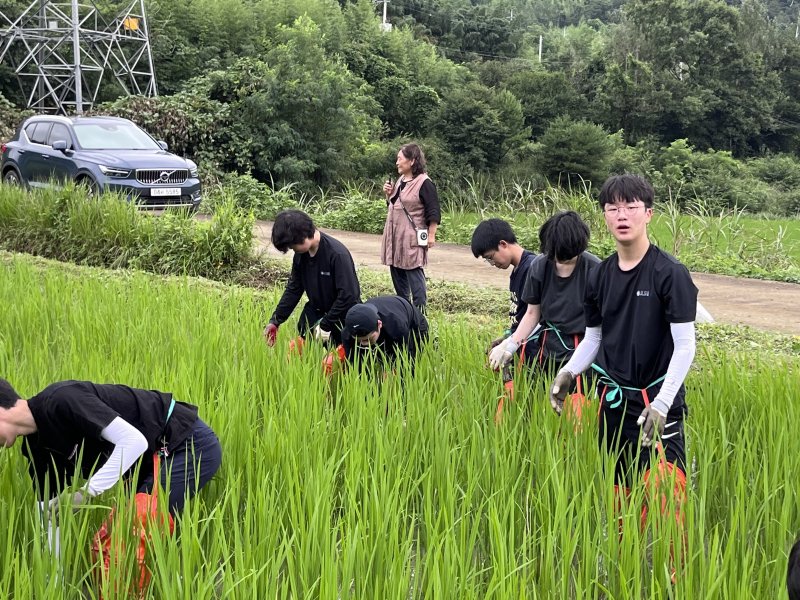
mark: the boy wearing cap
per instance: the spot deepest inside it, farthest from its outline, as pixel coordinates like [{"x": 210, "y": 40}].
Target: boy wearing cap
[
  {"x": 80, "y": 426},
  {"x": 323, "y": 269},
  {"x": 389, "y": 324},
  {"x": 640, "y": 306}
]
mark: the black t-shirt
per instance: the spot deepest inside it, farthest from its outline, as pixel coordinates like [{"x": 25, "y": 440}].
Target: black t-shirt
[
  {"x": 403, "y": 327},
  {"x": 561, "y": 302},
  {"x": 328, "y": 279},
  {"x": 70, "y": 415},
  {"x": 516, "y": 286},
  {"x": 635, "y": 309}
]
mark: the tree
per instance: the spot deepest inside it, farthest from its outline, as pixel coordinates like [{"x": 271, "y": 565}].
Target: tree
[{"x": 571, "y": 152}]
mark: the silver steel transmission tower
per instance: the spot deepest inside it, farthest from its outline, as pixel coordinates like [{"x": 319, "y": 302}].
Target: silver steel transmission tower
[{"x": 61, "y": 51}]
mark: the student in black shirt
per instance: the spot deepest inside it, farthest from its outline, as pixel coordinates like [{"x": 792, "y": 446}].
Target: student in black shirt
[
  {"x": 495, "y": 242},
  {"x": 322, "y": 268},
  {"x": 388, "y": 325},
  {"x": 101, "y": 432},
  {"x": 640, "y": 309},
  {"x": 553, "y": 323}
]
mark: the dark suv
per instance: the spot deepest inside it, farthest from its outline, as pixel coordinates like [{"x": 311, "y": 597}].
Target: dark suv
[{"x": 103, "y": 153}]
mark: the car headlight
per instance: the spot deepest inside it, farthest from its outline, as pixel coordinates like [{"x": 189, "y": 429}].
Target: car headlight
[
  {"x": 193, "y": 172},
  {"x": 115, "y": 171}
]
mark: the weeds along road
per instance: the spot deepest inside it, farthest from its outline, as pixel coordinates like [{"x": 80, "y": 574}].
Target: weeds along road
[{"x": 768, "y": 305}]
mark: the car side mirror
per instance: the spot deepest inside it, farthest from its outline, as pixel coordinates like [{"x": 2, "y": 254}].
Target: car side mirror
[
  {"x": 163, "y": 145},
  {"x": 60, "y": 145}
]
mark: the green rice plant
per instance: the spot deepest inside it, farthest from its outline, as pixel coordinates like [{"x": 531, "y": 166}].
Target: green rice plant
[{"x": 397, "y": 488}]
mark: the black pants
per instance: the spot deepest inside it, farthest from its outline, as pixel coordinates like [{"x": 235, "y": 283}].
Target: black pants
[
  {"x": 410, "y": 283},
  {"x": 308, "y": 320},
  {"x": 189, "y": 468},
  {"x": 620, "y": 433}
]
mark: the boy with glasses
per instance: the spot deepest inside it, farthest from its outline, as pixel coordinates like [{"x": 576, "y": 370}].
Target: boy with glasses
[
  {"x": 640, "y": 306},
  {"x": 494, "y": 241}
]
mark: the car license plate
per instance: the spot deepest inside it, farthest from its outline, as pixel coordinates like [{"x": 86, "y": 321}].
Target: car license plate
[{"x": 165, "y": 191}]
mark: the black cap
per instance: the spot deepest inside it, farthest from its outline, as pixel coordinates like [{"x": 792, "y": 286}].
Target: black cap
[
  {"x": 361, "y": 320},
  {"x": 8, "y": 395}
]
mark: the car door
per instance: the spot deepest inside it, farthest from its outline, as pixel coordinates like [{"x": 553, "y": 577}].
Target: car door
[
  {"x": 33, "y": 164},
  {"x": 59, "y": 165}
]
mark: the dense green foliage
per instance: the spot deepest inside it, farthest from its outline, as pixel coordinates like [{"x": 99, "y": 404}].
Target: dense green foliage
[
  {"x": 404, "y": 489},
  {"x": 314, "y": 93}
]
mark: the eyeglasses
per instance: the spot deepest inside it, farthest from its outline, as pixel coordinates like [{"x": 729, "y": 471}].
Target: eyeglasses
[
  {"x": 490, "y": 260},
  {"x": 624, "y": 209}
]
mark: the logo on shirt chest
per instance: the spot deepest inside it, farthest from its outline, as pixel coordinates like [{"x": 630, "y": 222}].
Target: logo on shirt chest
[
  {"x": 642, "y": 293},
  {"x": 325, "y": 273}
]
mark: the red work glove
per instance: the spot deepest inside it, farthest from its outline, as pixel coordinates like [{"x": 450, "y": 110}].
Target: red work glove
[{"x": 270, "y": 333}]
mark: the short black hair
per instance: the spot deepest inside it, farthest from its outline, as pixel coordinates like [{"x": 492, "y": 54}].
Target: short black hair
[
  {"x": 488, "y": 235},
  {"x": 8, "y": 395},
  {"x": 563, "y": 236},
  {"x": 793, "y": 572},
  {"x": 626, "y": 188},
  {"x": 291, "y": 227}
]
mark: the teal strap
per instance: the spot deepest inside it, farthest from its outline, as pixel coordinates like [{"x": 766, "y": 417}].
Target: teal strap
[
  {"x": 171, "y": 408},
  {"x": 537, "y": 334},
  {"x": 614, "y": 393},
  {"x": 558, "y": 335}
]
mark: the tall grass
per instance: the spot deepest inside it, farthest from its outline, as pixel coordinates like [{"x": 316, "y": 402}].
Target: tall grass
[{"x": 397, "y": 489}]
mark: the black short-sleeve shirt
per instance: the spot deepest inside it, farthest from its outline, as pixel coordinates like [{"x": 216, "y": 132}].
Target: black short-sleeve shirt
[
  {"x": 560, "y": 300},
  {"x": 516, "y": 286},
  {"x": 634, "y": 310},
  {"x": 70, "y": 415}
]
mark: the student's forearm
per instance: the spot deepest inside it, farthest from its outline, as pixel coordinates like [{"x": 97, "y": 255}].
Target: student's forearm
[
  {"x": 586, "y": 352},
  {"x": 683, "y": 338},
  {"x": 129, "y": 445},
  {"x": 526, "y": 326},
  {"x": 288, "y": 302}
]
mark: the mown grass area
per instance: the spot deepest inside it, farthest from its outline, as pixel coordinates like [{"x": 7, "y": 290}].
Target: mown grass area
[
  {"x": 397, "y": 489},
  {"x": 726, "y": 243}
]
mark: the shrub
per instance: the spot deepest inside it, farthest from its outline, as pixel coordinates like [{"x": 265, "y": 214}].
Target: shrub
[
  {"x": 571, "y": 152},
  {"x": 10, "y": 118},
  {"x": 111, "y": 232},
  {"x": 353, "y": 210},
  {"x": 249, "y": 195}
]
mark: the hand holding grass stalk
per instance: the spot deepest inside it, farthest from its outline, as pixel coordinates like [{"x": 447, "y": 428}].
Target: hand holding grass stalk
[
  {"x": 652, "y": 423},
  {"x": 75, "y": 500},
  {"x": 270, "y": 334},
  {"x": 560, "y": 389}
]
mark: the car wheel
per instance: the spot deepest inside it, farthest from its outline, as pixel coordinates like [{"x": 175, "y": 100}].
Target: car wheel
[
  {"x": 90, "y": 185},
  {"x": 11, "y": 178}
]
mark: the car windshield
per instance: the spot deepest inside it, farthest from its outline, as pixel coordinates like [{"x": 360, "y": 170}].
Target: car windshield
[{"x": 113, "y": 136}]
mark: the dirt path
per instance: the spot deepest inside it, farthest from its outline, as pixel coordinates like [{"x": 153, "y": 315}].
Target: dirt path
[{"x": 767, "y": 305}]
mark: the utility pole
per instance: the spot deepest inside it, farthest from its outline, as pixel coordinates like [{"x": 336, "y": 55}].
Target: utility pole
[
  {"x": 385, "y": 25},
  {"x": 76, "y": 53}
]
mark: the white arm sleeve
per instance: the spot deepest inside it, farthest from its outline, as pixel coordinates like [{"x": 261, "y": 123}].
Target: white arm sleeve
[
  {"x": 129, "y": 445},
  {"x": 683, "y": 339},
  {"x": 585, "y": 353}
]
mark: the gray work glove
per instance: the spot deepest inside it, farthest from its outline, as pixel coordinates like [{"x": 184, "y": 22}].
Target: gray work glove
[
  {"x": 321, "y": 335},
  {"x": 502, "y": 354},
  {"x": 652, "y": 422},
  {"x": 561, "y": 387},
  {"x": 496, "y": 342},
  {"x": 68, "y": 498}
]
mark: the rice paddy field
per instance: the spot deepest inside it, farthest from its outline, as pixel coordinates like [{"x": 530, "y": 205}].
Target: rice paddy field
[{"x": 388, "y": 489}]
